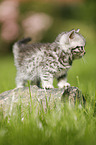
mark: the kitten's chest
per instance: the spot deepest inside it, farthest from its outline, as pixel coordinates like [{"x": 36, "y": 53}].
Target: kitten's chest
[
  {"x": 64, "y": 63},
  {"x": 65, "y": 60}
]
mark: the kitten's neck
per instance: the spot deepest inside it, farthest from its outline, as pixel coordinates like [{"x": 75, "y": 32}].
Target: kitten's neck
[
  {"x": 56, "y": 48},
  {"x": 61, "y": 54}
]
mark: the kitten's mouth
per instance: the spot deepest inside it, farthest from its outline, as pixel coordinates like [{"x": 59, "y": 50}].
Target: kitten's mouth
[{"x": 78, "y": 50}]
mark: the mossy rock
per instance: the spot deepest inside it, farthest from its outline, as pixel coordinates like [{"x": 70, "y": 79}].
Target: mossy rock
[{"x": 26, "y": 95}]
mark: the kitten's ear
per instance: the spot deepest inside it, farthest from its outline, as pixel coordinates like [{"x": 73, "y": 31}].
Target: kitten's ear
[
  {"x": 77, "y": 30},
  {"x": 71, "y": 34}
]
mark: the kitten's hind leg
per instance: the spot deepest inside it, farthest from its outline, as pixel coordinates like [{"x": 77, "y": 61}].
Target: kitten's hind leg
[
  {"x": 20, "y": 82},
  {"x": 62, "y": 81}
]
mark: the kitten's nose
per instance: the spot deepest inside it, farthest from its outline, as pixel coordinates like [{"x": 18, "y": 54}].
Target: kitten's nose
[{"x": 84, "y": 52}]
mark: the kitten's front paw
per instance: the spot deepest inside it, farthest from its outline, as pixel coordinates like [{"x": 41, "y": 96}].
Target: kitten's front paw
[
  {"x": 63, "y": 84},
  {"x": 66, "y": 85},
  {"x": 48, "y": 87}
]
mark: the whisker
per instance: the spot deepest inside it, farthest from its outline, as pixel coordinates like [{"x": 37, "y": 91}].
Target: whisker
[{"x": 84, "y": 60}]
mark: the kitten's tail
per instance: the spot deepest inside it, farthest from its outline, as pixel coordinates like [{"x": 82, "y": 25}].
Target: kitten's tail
[
  {"x": 23, "y": 41},
  {"x": 17, "y": 45}
]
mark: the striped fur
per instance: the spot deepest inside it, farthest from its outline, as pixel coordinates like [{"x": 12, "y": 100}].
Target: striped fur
[{"x": 44, "y": 61}]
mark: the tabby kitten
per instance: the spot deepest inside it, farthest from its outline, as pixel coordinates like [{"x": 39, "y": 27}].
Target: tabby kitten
[{"x": 44, "y": 61}]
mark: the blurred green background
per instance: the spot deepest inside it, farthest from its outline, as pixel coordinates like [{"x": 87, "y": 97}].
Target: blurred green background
[{"x": 43, "y": 21}]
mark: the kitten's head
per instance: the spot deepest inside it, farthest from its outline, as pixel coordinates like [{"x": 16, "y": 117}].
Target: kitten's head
[{"x": 72, "y": 42}]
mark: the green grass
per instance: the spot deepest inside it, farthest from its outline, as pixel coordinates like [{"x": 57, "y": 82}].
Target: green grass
[
  {"x": 7, "y": 73},
  {"x": 62, "y": 125}
]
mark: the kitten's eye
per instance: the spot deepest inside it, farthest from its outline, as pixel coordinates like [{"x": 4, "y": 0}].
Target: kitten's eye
[{"x": 82, "y": 47}]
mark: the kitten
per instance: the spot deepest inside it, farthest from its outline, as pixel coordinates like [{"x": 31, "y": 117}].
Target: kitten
[{"x": 44, "y": 61}]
